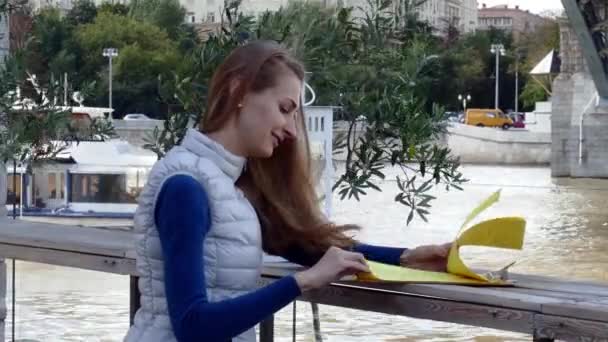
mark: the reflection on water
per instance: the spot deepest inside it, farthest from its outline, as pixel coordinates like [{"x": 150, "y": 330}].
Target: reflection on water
[{"x": 567, "y": 228}]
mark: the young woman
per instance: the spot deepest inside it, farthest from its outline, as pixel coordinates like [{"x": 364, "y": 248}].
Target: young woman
[{"x": 240, "y": 185}]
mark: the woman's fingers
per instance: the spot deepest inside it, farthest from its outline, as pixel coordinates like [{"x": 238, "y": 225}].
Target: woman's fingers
[
  {"x": 355, "y": 257},
  {"x": 434, "y": 251},
  {"x": 440, "y": 251},
  {"x": 352, "y": 255},
  {"x": 353, "y": 267},
  {"x": 446, "y": 248}
]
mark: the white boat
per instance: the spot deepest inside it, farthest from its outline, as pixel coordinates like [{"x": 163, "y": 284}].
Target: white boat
[{"x": 90, "y": 178}]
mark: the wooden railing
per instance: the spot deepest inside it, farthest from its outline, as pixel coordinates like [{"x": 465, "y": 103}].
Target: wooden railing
[{"x": 546, "y": 308}]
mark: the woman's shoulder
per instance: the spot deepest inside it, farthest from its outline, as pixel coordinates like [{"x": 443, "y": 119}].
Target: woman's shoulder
[
  {"x": 180, "y": 193},
  {"x": 182, "y": 184}
]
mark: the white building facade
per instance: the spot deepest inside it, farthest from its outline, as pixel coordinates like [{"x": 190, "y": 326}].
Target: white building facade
[
  {"x": 62, "y": 5},
  {"x": 210, "y": 11},
  {"x": 4, "y": 37},
  {"x": 462, "y": 13}
]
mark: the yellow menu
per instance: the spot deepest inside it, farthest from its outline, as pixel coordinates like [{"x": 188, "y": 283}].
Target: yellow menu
[{"x": 503, "y": 232}]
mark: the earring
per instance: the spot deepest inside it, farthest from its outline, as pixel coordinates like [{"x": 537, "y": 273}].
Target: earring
[{"x": 240, "y": 105}]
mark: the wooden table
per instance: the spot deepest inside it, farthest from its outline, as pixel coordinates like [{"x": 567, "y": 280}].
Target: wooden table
[{"x": 545, "y": 308}]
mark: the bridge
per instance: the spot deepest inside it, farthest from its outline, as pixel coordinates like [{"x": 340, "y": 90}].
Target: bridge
[{"x": 580, "y": 93}]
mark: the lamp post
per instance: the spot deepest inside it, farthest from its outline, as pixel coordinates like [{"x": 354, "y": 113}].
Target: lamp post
[
  {"x": 465, "y": 100},
  {"x": 498, "y": 50},
  {"x": 110, "y": 53}
]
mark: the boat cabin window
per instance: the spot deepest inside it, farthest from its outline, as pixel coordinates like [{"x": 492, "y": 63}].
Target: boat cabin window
[
  {"x": 52, "y": 185},
  {"x": 100, "y": 188}
]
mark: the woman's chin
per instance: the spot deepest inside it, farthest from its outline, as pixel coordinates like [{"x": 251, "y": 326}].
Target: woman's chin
[{"x": 264, "y": 153}]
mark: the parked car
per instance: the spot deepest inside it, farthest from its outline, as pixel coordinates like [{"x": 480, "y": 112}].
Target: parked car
[
  {"x": 451, "y": 116},
  {"x": 136, "y": 116},
  {"x": 519, "y": 120},
  {"x": 488, "y": 118}
]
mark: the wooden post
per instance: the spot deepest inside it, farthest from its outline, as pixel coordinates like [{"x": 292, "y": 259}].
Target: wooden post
[
  {"x": 267, "y": 330},
  {"x": 134, "y": 298},
  {"x": 2, "y": 297},
  {"x": 316, "y": 322}
]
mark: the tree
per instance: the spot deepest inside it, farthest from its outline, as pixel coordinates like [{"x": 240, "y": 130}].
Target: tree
[
  {"x": 11, "y": 6},
  {"x": 533, "y": 92},
  {"x": 365, "y": 66},
  {"x": 82, "y": 12},
  {"x": 450, "y": 31},
  {"x": 166, "y": 14},
  {"x": 145, "y": 54},
  {"x": 46, "y": 48},
  {"x": 468, "y": 67},
  {"x": 115, "y": 8},
  {"x": 406, "y": 19},
  {"x": 185, "y": 91},
  {"x": 534, "y": 48}
]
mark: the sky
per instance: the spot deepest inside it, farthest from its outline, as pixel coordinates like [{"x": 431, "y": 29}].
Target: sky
[{"x": 535, "y": 6}]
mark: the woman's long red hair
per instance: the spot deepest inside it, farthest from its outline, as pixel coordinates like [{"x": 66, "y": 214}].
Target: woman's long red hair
[{"x": 281, "y": 188}]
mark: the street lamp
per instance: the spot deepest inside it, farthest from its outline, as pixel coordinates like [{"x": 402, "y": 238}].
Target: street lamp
[
  {"x": 110, "y": 53},
  {"x": 498, "y": 50},
  {"x": 465, "y": 99}
]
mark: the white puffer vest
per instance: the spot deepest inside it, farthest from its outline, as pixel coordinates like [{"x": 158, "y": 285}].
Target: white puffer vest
[{"x": 232, "y": 248}]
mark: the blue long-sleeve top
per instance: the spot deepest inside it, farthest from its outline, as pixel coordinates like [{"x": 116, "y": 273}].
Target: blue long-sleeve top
[{"x": 183, "y": 219}]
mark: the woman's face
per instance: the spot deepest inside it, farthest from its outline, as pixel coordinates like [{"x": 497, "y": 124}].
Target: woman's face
[{"x": 268, "y": 118}]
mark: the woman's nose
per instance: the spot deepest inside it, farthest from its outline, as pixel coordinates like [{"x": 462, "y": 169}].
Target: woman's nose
[{"x": 291, "y": 131}]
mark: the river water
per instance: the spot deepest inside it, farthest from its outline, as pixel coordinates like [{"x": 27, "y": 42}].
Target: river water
[{"x": 566, "y": 236}]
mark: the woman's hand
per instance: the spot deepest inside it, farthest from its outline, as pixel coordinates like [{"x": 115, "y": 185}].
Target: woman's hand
[
  {"x": 335, "y": 264},
  {"x": 428, "y": 258}
]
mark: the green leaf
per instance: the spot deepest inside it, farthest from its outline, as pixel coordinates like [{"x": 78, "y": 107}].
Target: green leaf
[
  {"x": 424, "y": 187},
  {"x": 457, "y": 187},
  {"x": 355, "y": 193},
  {"x": 425, "y": 201},
  {"x": 410, "y": 217},
  {"x": 422, "y": 212},
  {"x": 422, "y": 216},
  {"x": 374, "y": 186}
]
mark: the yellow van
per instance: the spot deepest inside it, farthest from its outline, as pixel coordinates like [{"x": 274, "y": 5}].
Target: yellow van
[{"x": 487, "y": 118}]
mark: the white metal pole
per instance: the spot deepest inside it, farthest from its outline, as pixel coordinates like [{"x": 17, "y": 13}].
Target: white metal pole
[
  {"x": 516, "y": 83},
  {"x": 65, "y": 89},
  {"x": 110, "y": 96},
  {"x": 21, "y": 195}
]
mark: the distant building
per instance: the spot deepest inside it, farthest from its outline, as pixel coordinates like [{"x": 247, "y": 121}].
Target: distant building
[
  {"x": 439, "y": 13},
  {"x": 513, "y": 19},
  {"x": 4, "y": 37},
  {"x": 14, "y": 29},
  {"x": 62, "y": 5},
  {"x": 210, "y": 11},
  {"x": 462, "y": 13}
]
